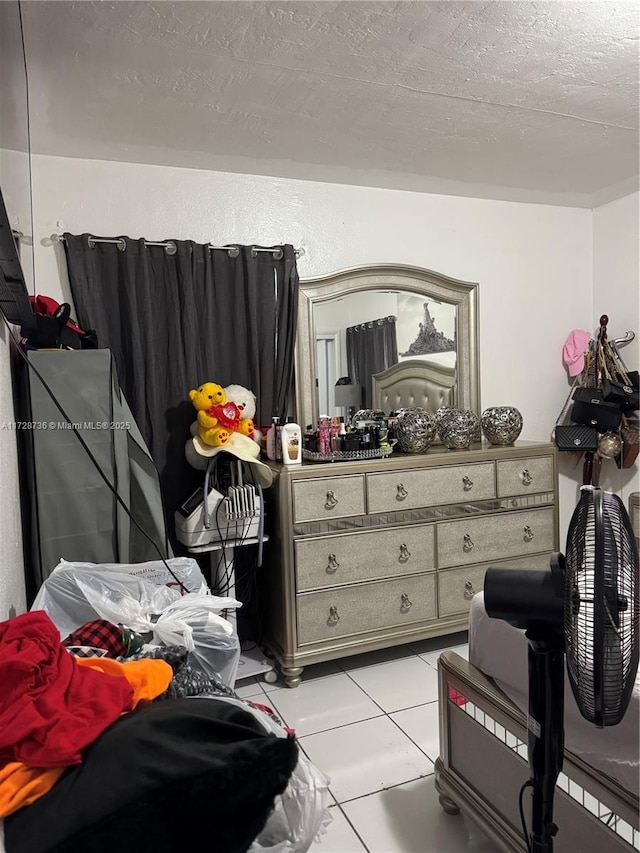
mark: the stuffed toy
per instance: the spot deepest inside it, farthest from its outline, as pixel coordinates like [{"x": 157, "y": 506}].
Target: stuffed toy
[
  {"x": 207, "y": 400},
  {"x": 245, "y": 403}
]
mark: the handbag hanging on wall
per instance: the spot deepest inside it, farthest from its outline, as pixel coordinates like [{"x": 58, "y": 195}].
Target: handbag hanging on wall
[
  {"x": 601, "y": 402},
  {"x": 570, "y": 436},
  {"x": 591, "y": 409},
  {"x": 618, "y": 384},
  {"x": 630, "y": 436}
]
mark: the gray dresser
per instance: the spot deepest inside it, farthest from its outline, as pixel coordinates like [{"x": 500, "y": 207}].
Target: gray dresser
[{"x": 364, "y": 555}]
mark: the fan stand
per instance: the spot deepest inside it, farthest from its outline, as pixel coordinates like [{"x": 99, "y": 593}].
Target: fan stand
[
  {"x": 546, "y": 729},
  {"x": 534, "y": 600}
]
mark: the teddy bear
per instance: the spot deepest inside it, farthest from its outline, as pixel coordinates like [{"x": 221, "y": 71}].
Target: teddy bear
[
  {"x": 245, "y": 402},
  {"x": 207, "y": 399}
]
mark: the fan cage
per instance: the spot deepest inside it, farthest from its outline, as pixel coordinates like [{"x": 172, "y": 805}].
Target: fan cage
[{"x": 601, "y": 640}]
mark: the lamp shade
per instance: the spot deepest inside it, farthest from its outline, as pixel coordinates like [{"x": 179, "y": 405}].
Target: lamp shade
[{"x": 347, "y": 395}]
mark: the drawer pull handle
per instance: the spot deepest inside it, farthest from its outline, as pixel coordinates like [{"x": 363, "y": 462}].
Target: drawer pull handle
[
  {"x": 405, "y": 603},
  {"x": 527, "y": 479},
  {"x": 401, "y": 492},
  {"x": 333, "y": 564},
  {"x": 467, "y": 544},
  {"x": 334, "y": 618},
  {"x": 528, "y": 534},
  {"x": 467, "y": 483},
  {"x": 405, "y": 553},
  {"x": 469, "y": 591},
  {"x": 331, "y": 501}
]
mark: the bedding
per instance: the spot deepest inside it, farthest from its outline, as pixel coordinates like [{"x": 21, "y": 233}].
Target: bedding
[{"x": 500, "y": 651}]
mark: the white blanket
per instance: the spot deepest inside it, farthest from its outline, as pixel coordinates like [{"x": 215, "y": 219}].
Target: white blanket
[{"x": 500, "y": 651}]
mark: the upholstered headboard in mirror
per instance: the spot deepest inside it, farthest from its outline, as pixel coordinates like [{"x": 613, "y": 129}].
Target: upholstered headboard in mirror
[
  {"x": 414, "y": 315},
  {"x": 414, "y": 383}
]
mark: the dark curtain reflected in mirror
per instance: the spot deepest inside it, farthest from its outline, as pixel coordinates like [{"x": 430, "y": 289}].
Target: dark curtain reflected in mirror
[{"x": 371, "y": 348}]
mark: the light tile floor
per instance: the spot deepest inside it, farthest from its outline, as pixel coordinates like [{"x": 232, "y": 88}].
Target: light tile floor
[{"x": 370, "y": 722}]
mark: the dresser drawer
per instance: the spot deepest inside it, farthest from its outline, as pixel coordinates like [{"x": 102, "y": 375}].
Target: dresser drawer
[
  {"x": 362, "y": 608},
  {"x": 525, "y": 476},
  {"x": 328, "y": 497},
  {"x": 396, "y": 490},
  {"x": 456, "y": 587},
  {"x": 494, "y": 537},
  {"x": 351, "y": 557}
]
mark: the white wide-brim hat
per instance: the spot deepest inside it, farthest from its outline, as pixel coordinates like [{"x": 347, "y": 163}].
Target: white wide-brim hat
[{"x": 241, "y": 446}]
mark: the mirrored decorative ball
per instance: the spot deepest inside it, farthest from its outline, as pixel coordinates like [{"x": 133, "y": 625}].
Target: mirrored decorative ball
[
  {"x": 441, "y": 416},
  {"x": 458, "y": 428},
  {"x": 609, "y": 445},
  {"x": 415, "y": 429},
  {"x": 501, "y": 424},
  {"x": 477, "y": 427}
]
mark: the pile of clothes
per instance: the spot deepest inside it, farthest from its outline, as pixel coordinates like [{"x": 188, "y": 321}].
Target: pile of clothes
[
  {"x": 53, "y": 704},
  {"x": 58, "y": 697}
]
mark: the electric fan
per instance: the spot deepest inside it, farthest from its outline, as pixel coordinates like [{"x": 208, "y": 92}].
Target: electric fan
[{"x": 587, "y": 608}]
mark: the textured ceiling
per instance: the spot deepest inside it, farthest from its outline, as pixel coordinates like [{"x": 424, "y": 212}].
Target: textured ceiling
[{"x": 524, "y": 100}]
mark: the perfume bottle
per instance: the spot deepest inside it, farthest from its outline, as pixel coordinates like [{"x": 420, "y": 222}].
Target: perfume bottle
[{"x": 324, "y": 435}]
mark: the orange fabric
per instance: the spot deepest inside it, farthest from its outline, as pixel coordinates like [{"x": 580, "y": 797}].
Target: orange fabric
[
  {"x": 21, "y": 785},
  {"x": 149, "y": 678}
]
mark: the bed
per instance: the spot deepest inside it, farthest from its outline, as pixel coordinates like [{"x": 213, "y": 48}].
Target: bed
[
  {"x": 483, "y": 750},
  {"x": 414, "y": 382}
]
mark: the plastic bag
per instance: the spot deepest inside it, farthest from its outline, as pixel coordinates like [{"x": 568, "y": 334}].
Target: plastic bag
[
  {"x": 136, "y": 596},
  {"x": 214, "y": 643},
  {"x": 301, "y": 812},
  {"x": 185, "y": 569}
]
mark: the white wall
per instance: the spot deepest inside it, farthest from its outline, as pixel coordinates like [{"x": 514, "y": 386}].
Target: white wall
[
  {"x": 533, "y": 262},
  {"x": 616, "y": 293}
]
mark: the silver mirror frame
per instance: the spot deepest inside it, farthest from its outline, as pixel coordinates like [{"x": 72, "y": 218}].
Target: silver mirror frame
[{"x": 462, "y": 294}]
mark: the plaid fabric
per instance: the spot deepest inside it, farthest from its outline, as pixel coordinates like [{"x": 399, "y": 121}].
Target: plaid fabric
[
  {"x": 86, "y": 651},
  {"x": 101, "y": 634}
]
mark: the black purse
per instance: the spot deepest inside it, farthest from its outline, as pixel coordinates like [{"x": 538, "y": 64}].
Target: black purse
[
  {"x": 623, "y": 395},
  {"x": 618, "y": 384},
  {"x": 569, "y": 436},
  {"x": 576, "y": 437},
  {"x": 591, "y": 409}
]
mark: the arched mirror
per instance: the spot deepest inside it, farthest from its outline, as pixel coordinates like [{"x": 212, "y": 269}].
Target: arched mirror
[{"x": 384, "y": 337}]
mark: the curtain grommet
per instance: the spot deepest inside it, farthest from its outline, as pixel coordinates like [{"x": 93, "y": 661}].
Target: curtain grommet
[{"x": 120, "y": 242}]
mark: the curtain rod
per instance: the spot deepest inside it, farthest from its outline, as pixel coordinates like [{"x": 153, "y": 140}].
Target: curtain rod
[
  {"x": 360, "y": 327},
  {"x": 171, "y": 248}
]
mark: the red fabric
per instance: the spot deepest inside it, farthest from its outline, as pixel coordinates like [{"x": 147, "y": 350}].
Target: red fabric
[
  {"x": 99, "y": 634},
  {"x": 51, "y": 708}
]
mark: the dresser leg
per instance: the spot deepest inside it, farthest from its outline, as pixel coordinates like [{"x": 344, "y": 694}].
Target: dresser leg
[
  {"x": 448, "y": 805},
  {"x": 291, "y": 675}
]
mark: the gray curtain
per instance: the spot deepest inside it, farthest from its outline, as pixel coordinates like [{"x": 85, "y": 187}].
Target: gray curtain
[
  {"x": 175, "y": 321},
  {"x": 371, "y": 348},
  {"x": 72, "y": 514}
]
